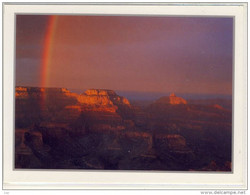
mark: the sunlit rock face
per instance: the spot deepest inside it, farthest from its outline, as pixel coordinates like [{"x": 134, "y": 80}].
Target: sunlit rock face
[
  {"x": 69, "y": 93},
  {"x": 92, "y": 99},
  {"x": 99, "y": 129},
  {"x": 218, "y": 106},
  {"x": 102, "y": 100},
  {"x": 35, "y": 105},
  {"x": 102, "y": 97},
  {"x": 41, "y": 92},
  {"x": 172, "y": 99},
  {"x": 104, "y": 109},
  {"x": 21, "y": 92},
  {"x": 58, "y": 105},
  {"x": 100, "y": 92},
  {"x": 97, "y": 100}
]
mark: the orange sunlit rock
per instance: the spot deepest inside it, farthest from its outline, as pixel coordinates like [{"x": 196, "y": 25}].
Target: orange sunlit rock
[
  {"x": 172, "y": 99},
  {"x": 19, "y": 89},
  {"x": 101, "y": 100},
  {"x": 218, "y": 106},
  {"x": 100, "y": 92},
  {"x": 21, "y": 92},
  {"x": 74, "y": 107},
  {"x": 105, "y": 125}
]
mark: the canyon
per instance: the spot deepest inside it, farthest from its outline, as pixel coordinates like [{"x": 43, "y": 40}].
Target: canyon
[{"x": 98, "y": 129}]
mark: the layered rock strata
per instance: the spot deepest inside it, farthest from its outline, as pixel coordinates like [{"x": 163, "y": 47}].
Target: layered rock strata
[{"x": 172, "y": 99}]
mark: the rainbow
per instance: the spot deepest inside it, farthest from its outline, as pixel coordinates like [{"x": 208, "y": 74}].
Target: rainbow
[
  {"x": 47, "y": 49},
  {"x": 46, "y": 55}
]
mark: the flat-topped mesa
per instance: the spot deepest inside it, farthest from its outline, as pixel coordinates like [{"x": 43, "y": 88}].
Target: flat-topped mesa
[
  {"x": 95, "y": 97},
  {"x": 116, "y": 99},
  {"x": 42, "y": 89},
  {"x": 28, "y": 92},
  {"x": 102, "y": 100},
  {"x": 172, "y": 99},
  {"x": 100, "y": 92},
  {"x": 21, "y": 89},
  {"x": 21, "y": 92},
  {"x": 25, "y": 92},
  {"x": 56, "y": 105}
]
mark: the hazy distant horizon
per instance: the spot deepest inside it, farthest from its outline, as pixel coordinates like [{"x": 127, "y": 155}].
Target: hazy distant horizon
[
  {"x": 150, "y": 96},
  {"x": 133, "y": 95}
]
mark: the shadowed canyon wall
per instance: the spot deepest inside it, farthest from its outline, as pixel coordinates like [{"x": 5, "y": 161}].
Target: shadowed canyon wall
[{"x": 98, "y": 129}]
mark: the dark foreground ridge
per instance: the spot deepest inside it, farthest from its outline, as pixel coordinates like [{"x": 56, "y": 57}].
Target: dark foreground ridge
[{"x": 98, "y": 129}]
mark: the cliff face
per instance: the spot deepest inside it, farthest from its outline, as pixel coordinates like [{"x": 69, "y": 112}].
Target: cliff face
[
  {"x": 105, "y": 109},
  {"x": 102, "y": 100},
  {"x": 35, "y": 105},
  {"x": 91, "y": 97},
  {"x": 45, "y": 95},
  {"x": 21, "y": 92},
  {"x": 172, "y": 99},
  {"x": 97, "y": 100},
  {"x": 100, "y": 129}
]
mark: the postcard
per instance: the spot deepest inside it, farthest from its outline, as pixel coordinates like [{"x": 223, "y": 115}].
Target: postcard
[{"x": 125, "y": 93}]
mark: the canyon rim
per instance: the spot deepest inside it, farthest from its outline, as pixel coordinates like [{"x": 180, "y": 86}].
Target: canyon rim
[{"x": 123, "y": 93}]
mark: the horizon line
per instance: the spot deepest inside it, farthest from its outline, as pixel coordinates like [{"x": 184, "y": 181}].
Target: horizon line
[{"x": 128, "y": 91}]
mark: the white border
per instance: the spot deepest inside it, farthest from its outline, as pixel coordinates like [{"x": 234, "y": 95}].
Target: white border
[{"x": 13, "y": 179}]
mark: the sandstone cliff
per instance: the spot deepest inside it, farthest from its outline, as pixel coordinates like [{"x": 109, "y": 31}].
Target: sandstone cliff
[
  {"x": 91, "y": 97},
  {"x": 102, "y": 100},
  {"x": 35, "y": 105},
  {"x": 172, "y": 99},
  {"x": 101, "y": 130},
  {"x": 103, "y": 107}
]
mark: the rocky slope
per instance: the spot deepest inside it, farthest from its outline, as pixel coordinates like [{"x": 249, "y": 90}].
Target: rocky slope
[
  {"x": 172, "y": 100},
  {"x": 99, "y": 129},
  {"x": 204, "y": 128},
  {"x": 59, "y": 105}
]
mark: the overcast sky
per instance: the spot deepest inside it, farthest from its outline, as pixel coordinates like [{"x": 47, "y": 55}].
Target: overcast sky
[{"x": 129, "y": 53}]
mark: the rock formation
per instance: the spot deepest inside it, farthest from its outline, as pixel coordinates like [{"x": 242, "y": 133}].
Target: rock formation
[
  {"x": 103, "y": 107},
  {"x": 218, "y": 106},
  {"x": 101, "y": 100},
  {"x": 99, "y": 129},
  {"x": 106, "y": 109},
  {"x": 35, "y": 105},
  {"x": 172, "y": 99},
  {"x": 92, "y": 97}
]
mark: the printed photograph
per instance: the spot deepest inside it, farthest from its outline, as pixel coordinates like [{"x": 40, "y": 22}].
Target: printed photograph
[{"x": 133, "y": 93}]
